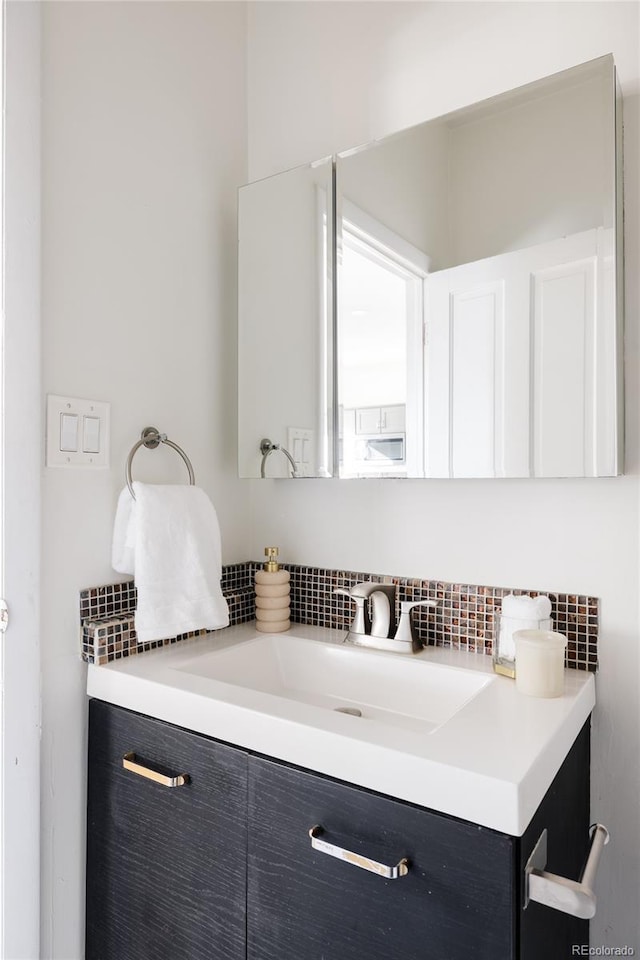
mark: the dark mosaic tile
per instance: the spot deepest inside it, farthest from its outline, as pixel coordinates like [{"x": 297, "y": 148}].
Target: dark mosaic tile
[
  {"x": 107, "y": 601},
  {"x": 465, "y": 616},
  {"x": 107, "y": 615}
]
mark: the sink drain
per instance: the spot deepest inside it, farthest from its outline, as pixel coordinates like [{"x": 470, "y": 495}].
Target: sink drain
[{"x": 352, "y": 711}]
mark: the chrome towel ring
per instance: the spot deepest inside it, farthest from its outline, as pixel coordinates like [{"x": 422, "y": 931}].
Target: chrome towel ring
[
  {"x": 266, "y": 449},
  {"x": 152, "y": 438}
]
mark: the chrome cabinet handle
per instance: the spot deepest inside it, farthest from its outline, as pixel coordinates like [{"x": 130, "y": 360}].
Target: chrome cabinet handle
[
  {"x": 129, "y": 763},
  {"x": 575, "y": 897},
  {"x": 401, "y": 868}
]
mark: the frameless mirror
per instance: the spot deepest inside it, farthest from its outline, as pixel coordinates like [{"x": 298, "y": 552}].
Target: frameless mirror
[
  {"x": 285, "y": 334},
  {"x": 478, "y": 331}
]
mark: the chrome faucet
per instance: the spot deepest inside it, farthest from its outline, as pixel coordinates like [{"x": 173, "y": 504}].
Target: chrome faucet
[{"x": 378, "y": 630}]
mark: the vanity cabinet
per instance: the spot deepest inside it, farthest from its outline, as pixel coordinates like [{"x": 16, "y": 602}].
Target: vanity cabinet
[
  {"x": 166, "y": 866},
  {"x": 223, "y": 866},
  {"x": 455, "y": 901}
]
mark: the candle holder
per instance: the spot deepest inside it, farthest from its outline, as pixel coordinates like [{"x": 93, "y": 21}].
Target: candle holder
[
  {"x": 540, "y": 659},
  {"x": 504, "y": 648}
]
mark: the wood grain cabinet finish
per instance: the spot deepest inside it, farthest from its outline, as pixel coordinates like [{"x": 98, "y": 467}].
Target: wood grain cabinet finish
[
  {"x": 223, "y": 867},
  {"x": 462, "y": 898},
  {"x": 455, "y": 902},
  {"x": 546, "y": 934},
  {"x": 166, "y": 866}
]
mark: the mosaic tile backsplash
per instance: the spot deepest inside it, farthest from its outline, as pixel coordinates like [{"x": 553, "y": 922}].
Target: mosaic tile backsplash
[
  {"x": 107, "y": 623},
  {"x": 464, "y": 616}
]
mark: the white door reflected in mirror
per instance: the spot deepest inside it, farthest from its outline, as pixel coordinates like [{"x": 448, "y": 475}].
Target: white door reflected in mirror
[
  {"x": 475, "y": 267},
  {"x": 379, "y": 351}
]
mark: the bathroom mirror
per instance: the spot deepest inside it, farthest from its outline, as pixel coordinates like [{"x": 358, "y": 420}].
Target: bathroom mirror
[
  {"x": 285, "y": 343},
  {"x": 477, "y": 330}
]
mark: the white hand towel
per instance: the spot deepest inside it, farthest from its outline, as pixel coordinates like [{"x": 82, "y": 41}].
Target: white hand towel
[
  {"x": 522, "y": 612},
  {"x": 122, "y": 551},
  {"x": 169, "y": 539},
  {"x": 524, "y": 607}
]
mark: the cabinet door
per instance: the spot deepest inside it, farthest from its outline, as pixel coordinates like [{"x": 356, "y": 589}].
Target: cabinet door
[
  {"x": 545, "y": 932},
  {"x": 455, "y": 903},
  {"x": 347, "y": 422},
  {"x": 393, "y": 419},
  {"x": 166, "y": 866},
  {"x": 368, "y": 420}
]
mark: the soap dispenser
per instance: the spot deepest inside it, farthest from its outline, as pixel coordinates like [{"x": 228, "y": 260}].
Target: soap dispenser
[{"x": 272, "y": 595}]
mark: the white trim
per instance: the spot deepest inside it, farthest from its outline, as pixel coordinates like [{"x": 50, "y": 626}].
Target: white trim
[
  {"x": 379, "y": 236},
  {"x": 324, "y": 429},
  {"x": 377, "y": 242},
  {"x": 20, "y": 760}
]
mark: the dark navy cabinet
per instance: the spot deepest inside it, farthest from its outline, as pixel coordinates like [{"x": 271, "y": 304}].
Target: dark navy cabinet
[
  {"x": 455, "y": 901},
  {"x": 166, "y": 866},
  {"x": 223, "y": 867}
]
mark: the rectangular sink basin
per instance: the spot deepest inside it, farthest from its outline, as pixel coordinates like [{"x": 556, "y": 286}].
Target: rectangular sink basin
[{"x": 410, "y": 692}]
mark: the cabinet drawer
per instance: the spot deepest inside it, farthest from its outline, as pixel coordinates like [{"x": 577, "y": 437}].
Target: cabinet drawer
[
  {"x": 166, "y": 865},
  {"x": 456, "y": 901}
]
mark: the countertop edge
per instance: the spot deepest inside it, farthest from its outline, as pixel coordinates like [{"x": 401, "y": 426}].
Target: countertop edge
[{"x": 487, "y": 801}]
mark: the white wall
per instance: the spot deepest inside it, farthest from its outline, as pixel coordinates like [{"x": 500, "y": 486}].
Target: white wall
[
  {"x": 412, "y": 202},
  {"x": 143, "y": 149},
  {"x": 509, "y": 190},
  {"x": 315, "y": 87},
  {"x": 20, "y": 523}
]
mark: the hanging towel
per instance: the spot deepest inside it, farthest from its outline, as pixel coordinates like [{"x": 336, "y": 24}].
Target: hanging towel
[{"x": 169, "y": 539}]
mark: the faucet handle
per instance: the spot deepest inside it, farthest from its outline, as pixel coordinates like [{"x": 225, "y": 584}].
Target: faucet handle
[
  {"x": 406, "y": 605},
  {"x": 365, "y": 588},
  {"x": 406, "y": 629}
]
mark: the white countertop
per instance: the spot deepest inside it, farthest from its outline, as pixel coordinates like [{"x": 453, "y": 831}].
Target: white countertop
[{"x": 491, "y": 763}]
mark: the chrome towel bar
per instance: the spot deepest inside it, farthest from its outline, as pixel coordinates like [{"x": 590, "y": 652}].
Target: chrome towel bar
[
  {"x": 569, "y": 896},
  {"x": 152, "y": 438}
]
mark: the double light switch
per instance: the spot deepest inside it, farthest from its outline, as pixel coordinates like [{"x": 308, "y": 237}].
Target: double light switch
[
  {"x": 300, "y": 446},
  {"x": 77, "y": 432}
]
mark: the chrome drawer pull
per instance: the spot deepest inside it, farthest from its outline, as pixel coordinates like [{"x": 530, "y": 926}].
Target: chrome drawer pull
[
  {"x": 575, "y": 897},
  {"x": 129, "y": 763},
  {"x": 401, "y": 869}
]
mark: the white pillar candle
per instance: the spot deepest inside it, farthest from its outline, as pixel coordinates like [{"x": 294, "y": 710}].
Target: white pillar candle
[{"x": 540, "y": 662}]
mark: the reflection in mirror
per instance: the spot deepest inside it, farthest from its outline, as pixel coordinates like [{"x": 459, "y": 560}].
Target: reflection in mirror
[
  {"x": 379, "y": 349},
  {"x": 284, "y": 328},
  {"x": 489, "y": 235},
  {"x": 477, "y": 262}
]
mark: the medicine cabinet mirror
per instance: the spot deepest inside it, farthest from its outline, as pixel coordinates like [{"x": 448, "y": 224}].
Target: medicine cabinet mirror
[{"x": 461, "y": 317}]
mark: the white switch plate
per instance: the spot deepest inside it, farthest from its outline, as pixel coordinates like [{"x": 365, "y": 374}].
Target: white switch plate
[
  {"x": 92, "y": 446},
  {"x": 300, "y": 446}
]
